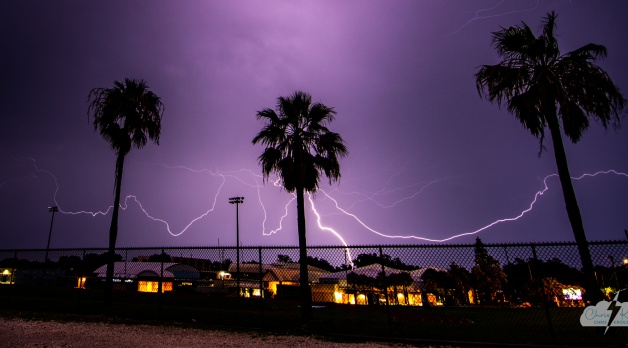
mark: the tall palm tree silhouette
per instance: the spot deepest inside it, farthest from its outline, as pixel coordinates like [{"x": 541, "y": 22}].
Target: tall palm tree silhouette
[
  {"x": 544, "y": 88},
  {"x": 299, "y": 147},
  {"x": 126, "y": 115}
]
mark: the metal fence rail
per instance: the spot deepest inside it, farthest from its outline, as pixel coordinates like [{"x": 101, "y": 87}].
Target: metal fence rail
[{"x": 503, "y": 293}]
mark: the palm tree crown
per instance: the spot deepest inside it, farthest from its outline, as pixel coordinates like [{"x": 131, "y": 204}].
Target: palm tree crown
[
  {"x": 299, "y": 146},
  {"x": 126, "y": 115},
  {"x": 534, "y": 78}
]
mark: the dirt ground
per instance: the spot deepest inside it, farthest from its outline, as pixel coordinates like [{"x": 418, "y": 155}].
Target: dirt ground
[{"x": 16, "y": 332}]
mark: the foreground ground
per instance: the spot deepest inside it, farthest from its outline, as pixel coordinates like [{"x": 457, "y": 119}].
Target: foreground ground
[{"x": 19, "y": 332}]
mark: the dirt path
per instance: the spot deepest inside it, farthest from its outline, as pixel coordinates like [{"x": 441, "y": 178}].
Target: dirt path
[{"x": 17, "y": 332}]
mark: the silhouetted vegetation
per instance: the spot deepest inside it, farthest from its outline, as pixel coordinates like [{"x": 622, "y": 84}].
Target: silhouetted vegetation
[
  {"x": 127, "y": 115},
  {"x": 386, "y": 260},
  {"x": 544, "y": 88},
  {"x": 284, "y": 258},
  {"x": 322, "y": 264},
  {"x": 487, "y": 277},
  {"x": 163, "y": 257},
  {"x": 299, "y": 148}
]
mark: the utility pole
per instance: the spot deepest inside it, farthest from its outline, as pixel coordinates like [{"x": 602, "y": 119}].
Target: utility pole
[
  {"x": 237, "y": 201},
  {"x": 52, "y": 210}
]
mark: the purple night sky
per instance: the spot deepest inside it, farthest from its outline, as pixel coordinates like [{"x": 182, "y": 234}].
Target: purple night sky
[{"x": 427, "y": 156}]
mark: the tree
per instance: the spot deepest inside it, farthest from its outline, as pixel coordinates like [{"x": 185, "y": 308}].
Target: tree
[
  {"x": 435, "y": 283},
  {"x": 394, "y": 280},
  {"x": 299, "y": 147},
  {"x": 544, "y": 88},
  {"x": 284, "y": 258},
  {"x": 163, "y": 257},
  {"x": 126, "y": 115},
  {"x": 487, "y": 275},
  {"x": 368, "y": 259},
  {"x": 460, "y": 280},
  {"x": 321, "y": 263},
  {"x": 521, "y": 274}
]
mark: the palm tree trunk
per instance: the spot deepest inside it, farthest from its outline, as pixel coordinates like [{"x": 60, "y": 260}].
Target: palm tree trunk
[
  {"x": 592, "y": 293},
  {"x": 306, "y": 296},
  {"x": 113, "y": 230}
]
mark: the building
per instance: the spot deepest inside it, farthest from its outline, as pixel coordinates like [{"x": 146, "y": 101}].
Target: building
[
  {"x": 366, "y": 286},
  {"x": 282, "y": 281},
  {"x": 146, "y": 276}
]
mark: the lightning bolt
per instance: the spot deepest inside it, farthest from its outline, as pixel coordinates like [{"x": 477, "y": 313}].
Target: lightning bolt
[
  {"x": 329, "y": 229},
  {"x": 276, "y": 183},
  {"x": 521, "y": 214},
  {"x": 125, "y": 205},
  {"x": 237, "y": 175},
  {"x": 372, "y": 196},
  {"x": 479, "y": 13},
  {"x": 614, "y": 310}
]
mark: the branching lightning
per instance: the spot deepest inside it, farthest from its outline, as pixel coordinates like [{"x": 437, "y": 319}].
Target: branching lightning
[
  {"x": 521, "y": 214},
  {"x": 372, "y": 196},
  {"x": 329, "y": 229},
  {"x": 479, "y": 14},
  {"x": 255, "y": 183}
]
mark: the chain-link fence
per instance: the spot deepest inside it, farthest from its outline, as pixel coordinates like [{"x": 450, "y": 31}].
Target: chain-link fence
[{"x": 503, "y": 293}]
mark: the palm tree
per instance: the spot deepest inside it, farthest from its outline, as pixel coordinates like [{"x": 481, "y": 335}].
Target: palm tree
[
  {"x": 126, "y": 115},
  {"x": 299, "y": 147},
  {"x": 544, "y": 88}
]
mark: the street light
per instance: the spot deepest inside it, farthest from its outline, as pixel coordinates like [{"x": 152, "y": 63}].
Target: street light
[
  {"x": 52, "y": 210},
  {"x": 237, "y": 201}
]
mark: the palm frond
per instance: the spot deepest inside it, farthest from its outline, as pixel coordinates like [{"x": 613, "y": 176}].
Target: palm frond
[
  {"x": 513, "y": 42},
  {"x": 126, "y": 115},
  {"x": 589, "y": 52},
  {"x": 299, "y": 146},
  {"x": 551, "y": 49},
  {"x": 533, "y": 78}
]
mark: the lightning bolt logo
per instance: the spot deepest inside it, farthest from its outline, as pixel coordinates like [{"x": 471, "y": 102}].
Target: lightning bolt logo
[{"x": 614, "y": 310}]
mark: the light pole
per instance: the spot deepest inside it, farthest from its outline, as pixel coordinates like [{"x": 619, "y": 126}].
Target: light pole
[
  {"x": 237, "y": 201},
  {"x": 52, "y": 210}
]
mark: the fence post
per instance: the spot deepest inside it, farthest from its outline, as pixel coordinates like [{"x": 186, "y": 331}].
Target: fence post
[
  {"x": 160, "y": 285},
  {"x": 385, "y": 285},
  {"x": 543, "y": 299},
  {"x": 261, "y": 285}
]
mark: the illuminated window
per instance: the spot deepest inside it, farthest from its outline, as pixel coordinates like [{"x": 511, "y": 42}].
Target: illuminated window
[
  {"x": 81, "y": 283},
  {"x": 400, "y": 298},
  {"x": 6, "y": 277},
  {"x": 572, "y": 294},
  {"x": 153, "y": 286}
]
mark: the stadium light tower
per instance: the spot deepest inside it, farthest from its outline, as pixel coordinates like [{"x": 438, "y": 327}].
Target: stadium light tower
[{"x": 237, "y": 201}]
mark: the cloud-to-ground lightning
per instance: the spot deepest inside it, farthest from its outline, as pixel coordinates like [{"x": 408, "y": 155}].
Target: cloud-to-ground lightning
[
  {"x": 329, "y": 229},
  {"x": 255, "y": 183},
  {"x": 517, "y": 217}
]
